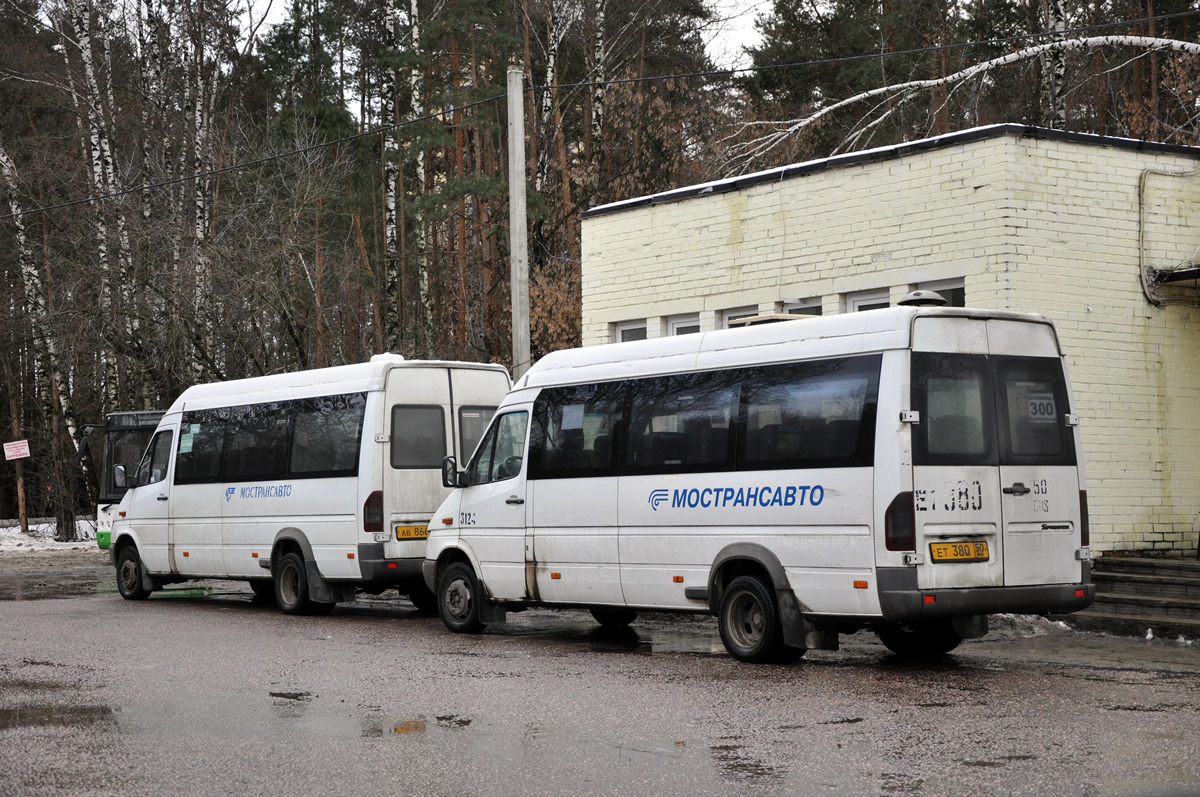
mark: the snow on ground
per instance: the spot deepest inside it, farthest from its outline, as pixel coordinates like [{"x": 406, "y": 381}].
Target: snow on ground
[{"x": 41, "y": 537}]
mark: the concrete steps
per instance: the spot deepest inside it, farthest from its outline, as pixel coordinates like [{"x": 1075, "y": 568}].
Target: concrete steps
[{"x": 1135, "y": 594}]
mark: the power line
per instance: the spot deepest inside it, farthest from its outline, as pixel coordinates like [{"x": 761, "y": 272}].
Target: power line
[
  {"x": 872, "y": 56},
  {"x": 250, "y": 164}
]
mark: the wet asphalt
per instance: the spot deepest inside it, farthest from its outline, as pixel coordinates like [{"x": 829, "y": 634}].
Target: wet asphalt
[{"x": 204, "y": 690}]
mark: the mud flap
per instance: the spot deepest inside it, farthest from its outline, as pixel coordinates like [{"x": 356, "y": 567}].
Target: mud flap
[{"x": 322, "y": 591}]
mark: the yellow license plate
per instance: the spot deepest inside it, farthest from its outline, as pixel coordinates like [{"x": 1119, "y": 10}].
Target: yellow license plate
[
  {"x": 959, "y": 551},
  {"x": 412, "y": 532}
]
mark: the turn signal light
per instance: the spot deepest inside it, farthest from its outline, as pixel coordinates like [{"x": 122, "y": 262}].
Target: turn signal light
[
  {"x": 1079, "y": 593},
  {"x": 556, "y": 575},
  {"x": 254, "y": 554},
  {"x": 349, "y": 556},
  {"x": 447, "y": 521},
  {"x": 860, "y": 585},
  {"x": 677, "y": 579},
  {"x": 929, "y": 598}
]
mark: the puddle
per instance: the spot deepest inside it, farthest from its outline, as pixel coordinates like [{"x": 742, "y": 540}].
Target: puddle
[{"x": 66, "y": 716}]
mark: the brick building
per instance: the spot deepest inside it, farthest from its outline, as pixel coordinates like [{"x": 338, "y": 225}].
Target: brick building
[{"x": 1102, "y": 235}]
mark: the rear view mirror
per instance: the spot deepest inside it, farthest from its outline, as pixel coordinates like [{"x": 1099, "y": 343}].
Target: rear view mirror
[
  {"x": 450, "y": 472},
  {"x": 119, "y": 479}
]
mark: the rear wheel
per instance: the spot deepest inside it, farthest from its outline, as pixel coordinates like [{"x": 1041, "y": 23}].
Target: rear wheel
[
  {"x": 424, "y": 600},
  {"x": 263, "y": 587},
  {"x": 129, "y": 575},
  {"x": 291, "y": 588},
  {"x": 912, "y": 640},
  {"x": 613, "y": 618},
  {"x": 748, "y": 620},
  {"x": 458, "y": 599}
]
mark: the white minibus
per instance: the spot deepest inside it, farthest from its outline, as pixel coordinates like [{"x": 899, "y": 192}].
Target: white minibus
[
  {"x": 907, "y": 470},
  {"x": 311, "y": 486}
]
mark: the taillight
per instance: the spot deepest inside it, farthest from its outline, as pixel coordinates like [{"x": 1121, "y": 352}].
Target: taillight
[
  {"x": 373, "y": 512},
  {"x": 1085, "y": 536},
  {"x": 900, "y": 524}
]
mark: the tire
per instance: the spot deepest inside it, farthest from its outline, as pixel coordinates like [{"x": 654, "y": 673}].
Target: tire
[
  {"x": 915, "y": 640},
  {"x": 291, "y": 588},
  {"x": 458, "y": 598},
  {"x": 748, "y": 620},
  {"x": 129, "y": 574},
  {"x": 613, "y": 618},
  {"x": 424, "y": 600},
  {"x": 263, "y": 587}
]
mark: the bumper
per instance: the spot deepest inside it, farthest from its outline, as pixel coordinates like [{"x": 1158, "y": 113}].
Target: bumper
[
  {"x": 103, "y": 539},
  {"x": 429, "y": 573},
  {"x": 392, "y": 572},
  {"x": 900, "y": 600}
]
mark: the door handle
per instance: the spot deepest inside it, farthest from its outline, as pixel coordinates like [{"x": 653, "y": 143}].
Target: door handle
[
  {"x": 512, "y": 499},
  {"x": 161, "y": 498},
  {"x": 1016, "y": 489}
]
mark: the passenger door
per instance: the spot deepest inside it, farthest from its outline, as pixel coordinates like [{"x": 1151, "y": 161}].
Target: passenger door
[{"x": 492, "y": 508}]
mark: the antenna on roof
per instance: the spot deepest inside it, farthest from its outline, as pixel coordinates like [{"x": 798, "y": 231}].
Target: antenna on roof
[{"x": 923, "y": 299}]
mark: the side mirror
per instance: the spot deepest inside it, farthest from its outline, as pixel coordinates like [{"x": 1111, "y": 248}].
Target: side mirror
[
  {"x": 119, "y": 478},
  {"x": 450, "y": 472}
]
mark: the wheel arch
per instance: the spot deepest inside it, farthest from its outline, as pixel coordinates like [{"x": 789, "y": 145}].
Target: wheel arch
[
  {"x": 749, "y": 558},
  {"x": 288, "y": 540}
]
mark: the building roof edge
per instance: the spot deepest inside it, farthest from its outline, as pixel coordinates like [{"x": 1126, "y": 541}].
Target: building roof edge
[{"x": 894, "y": 151}]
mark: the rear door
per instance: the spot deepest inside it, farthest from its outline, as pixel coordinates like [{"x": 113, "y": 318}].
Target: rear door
[
  {"x": 1039, "y": 473},
  {"x": 419, "y": 423},
  {"x": 995, "y": 481}
]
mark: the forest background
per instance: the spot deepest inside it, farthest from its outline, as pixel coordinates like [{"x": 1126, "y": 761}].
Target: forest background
[{"x": 189, "y": 193}]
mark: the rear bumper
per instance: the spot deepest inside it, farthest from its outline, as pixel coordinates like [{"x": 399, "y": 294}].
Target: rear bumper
[
  {"x": 392, "y": 572},
  {"x": 900, "y": 600}
]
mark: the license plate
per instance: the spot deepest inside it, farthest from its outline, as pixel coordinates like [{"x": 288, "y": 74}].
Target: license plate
[
  {"x": 959, "y": 551},
  {"x": 412, "y": 532}
]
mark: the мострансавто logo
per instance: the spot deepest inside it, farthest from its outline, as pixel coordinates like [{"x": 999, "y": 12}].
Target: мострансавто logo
[
  {"x": 259, "y": 491},
  {"x": 718, "y": 497}
]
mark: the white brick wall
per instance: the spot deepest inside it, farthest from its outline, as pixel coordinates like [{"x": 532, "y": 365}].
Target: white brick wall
[{"x": 1030, "y": 224}]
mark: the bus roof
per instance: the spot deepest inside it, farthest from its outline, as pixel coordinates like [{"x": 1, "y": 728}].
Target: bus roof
[
  {"x": 353, "y": 378},
  {"x": 820, "y": 336}
]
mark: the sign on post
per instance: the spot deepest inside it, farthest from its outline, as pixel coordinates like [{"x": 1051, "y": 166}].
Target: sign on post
[{"x": 18, "y": 449}]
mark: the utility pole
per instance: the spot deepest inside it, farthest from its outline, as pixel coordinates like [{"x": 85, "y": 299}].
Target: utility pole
[{"x": 518, "y": 228}]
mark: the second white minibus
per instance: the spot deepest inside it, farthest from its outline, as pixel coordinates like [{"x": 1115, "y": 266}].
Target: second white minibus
[
  {"x": 311, "y": 486},
  {"x": 908, "y": 470}
]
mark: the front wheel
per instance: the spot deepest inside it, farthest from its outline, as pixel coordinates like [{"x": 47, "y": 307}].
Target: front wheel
[
  {"x": 748, "y": 620},
  {"x": 911, "y": 640},
  {"x": 129, "y": 575},
  {"x": 458, "y": 599}
]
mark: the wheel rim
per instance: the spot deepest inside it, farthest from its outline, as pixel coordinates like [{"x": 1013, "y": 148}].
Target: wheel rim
[
  {"x": 745, "y": 620},
  {"x": 289, "y": 585},
  {"x": 458, "y": 599},
  {"x": 129, "y": 575}
]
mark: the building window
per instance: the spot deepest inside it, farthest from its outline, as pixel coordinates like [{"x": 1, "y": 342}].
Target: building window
[
  {"x": 809, "y": 306},
  {"x": 953, "y": 291},
  {"x": 867, "y": 300},
  {"x": 683, "y": 324},
  {"x": 625, "y": 331},
  {"x": 737, "y": 313}
]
